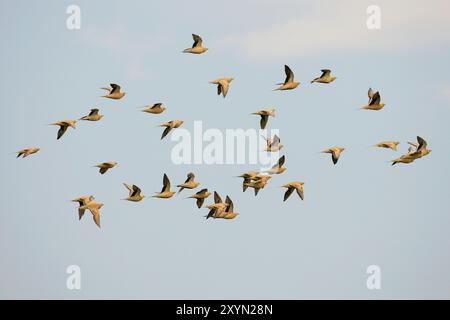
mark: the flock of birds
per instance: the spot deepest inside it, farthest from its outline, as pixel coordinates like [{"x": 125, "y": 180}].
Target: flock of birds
[{"x": 253, "y": 179}]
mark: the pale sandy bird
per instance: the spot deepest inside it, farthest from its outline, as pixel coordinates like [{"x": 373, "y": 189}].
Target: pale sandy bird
[
  {"x": 190, "y": 183},
  {"x": 134, "y": 193},
  {"x": 374, "y": 101},
  {"x": 420, "y": 150},
  {"x": 114, "y": 92},
  {"x": 289, "y": 83},
  {"x": 94, "y": 208},
  {"x": 335, "y": 153},
  {"x": 197, "y": 47},
  {"x": 105, "y": 166},
  {"x": 165, "y": 191},
  {"x": 228, "y": 213},
  {"x": 291, "y": 186},
  {"x": 200, "y": 197},
  {"x": 406, "y": 158},
  {"x": 63, "y": 125},
  {"x": 325, "y": 77},
  {"x": 278, "y": 167},
  {"x": 388, "y": 145},
  {"x": 92, "y": 116},
  {"x": 217, "y": 207},
  {"x": 223, "y": 84},
  {"x": 169, "y": 126},
  {"x": 157, "y": 108},
  {"x": 248, "y": 177},
  {"x": 82, "y": 201},
  {"x": 258, "y": 182},
  {"x": 264, "y": 114},
  {"x": 273, "y": 145},
  {"x": 27, "y": 152}
]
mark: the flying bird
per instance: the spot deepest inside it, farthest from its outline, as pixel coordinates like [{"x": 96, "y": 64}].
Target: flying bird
[
  {"x": 105, "y": 166},
  {"x": 291, "y": 186},
  {"x": 374, "y": 101},
  {"x": 94, "y": 208},
  {"x": 278, "y": 167},
  {"x": 418, "y": 151},
  {"x": 335, "y": 153},
  {"x": 264, "y": 114},
  {"x": 190, "y": 183},
  {"x": 200, "y": 197},
  {"x": 228, "y": 213},
  {"x": 169, "y": 126},
  {"x": 82, "y": 201},
  {"x": 63, "y": 125},
  {"x": 92, "y": 116},
  {"x": 273, "y": 145},
  {"x": 114, "y": 92},
  {"x": 325, "y": 77},
  {"x": 258, "y": 182},
  {"x": 388, "y": 145},
  {"x": 157, "y": 108},
  {"x": 289, "y": 83},
  {"x": 165, "y": 191},
  {"x": 217, "y": 207},
  {"x": 248, "y": 177},
  {"x": 197, "y": 47},
  {"x": 27, "y": 152},
  {"x": 223, "y": 85},
  {"x": 134, "y": 193}
]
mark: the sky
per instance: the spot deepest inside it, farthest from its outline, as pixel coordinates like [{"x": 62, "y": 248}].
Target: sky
[{"x": 359, "y": 213}]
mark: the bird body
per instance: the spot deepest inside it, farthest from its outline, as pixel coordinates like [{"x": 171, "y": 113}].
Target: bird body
[
  {"x": 273, "y": 145},
  {"x": 326, "y": 77},
  {"x": 92, "y": 116},
  {"x": 200, "y": 197},
  {"x": 227, "y": 213},
  {"x": 165, "y": 191},
  {"x": 258, "y": 182},
  {"x": 291, "y": 186},
  {"x": 94, "y": 208},
  {"x": 264, "y": 114},
  {"x": 335, "y": 153},
  {"x": 169, "y": 126},
  {"x": 190, "y": 183},
  {"x": 105, "y": 166},
  {"x": 197, "y": 47},
  {"x": 114, "y": 92},
  {"x": 134, "y": 193},
  {"x": 82, "y": 201},
  {"x": 63, "y": 125},
  {"x": 289, "y": 83},
  {"x": 157, "y": 108},
  {"x": 388, "y": 145},
  {"x": 223, "y": 84},
  {"x": 374, "y": 101},
  {"x": 278, "y": 167},
  {"x": 27, "y": 152},
  {"x": 418, "y": 151}
]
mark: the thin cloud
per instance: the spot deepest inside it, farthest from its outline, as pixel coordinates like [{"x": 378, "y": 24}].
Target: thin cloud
[{"x": 338, "y": 26}]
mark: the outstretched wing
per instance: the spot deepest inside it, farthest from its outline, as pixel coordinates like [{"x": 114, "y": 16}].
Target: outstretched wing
[
  {"x": 114, "y": 88},
  {"x": 61, "y": 131},
  {"x": 197, "y": 41},
  {"x": 217, "y": 198},
  {"x": 136, "y": 191},
  {"x": 229, "y": 202},
  {"x": 263, "y": 121},
  {"x": 325, "y": 72},
  {"x": 376, "y": 99},
  {"x": 166, "y": 183},
  {"x": 289, "y": 74},
  {"x": 288, "y": 193},
  {"x": 422, "y": 143},
  {"x": 93, "y": 112},
  {"x": 280, "y": 162},
  {"x": 165, "y": 132}
]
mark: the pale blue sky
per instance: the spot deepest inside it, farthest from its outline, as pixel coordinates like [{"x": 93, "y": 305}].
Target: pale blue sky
[{"x": 361, "y": 212}]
